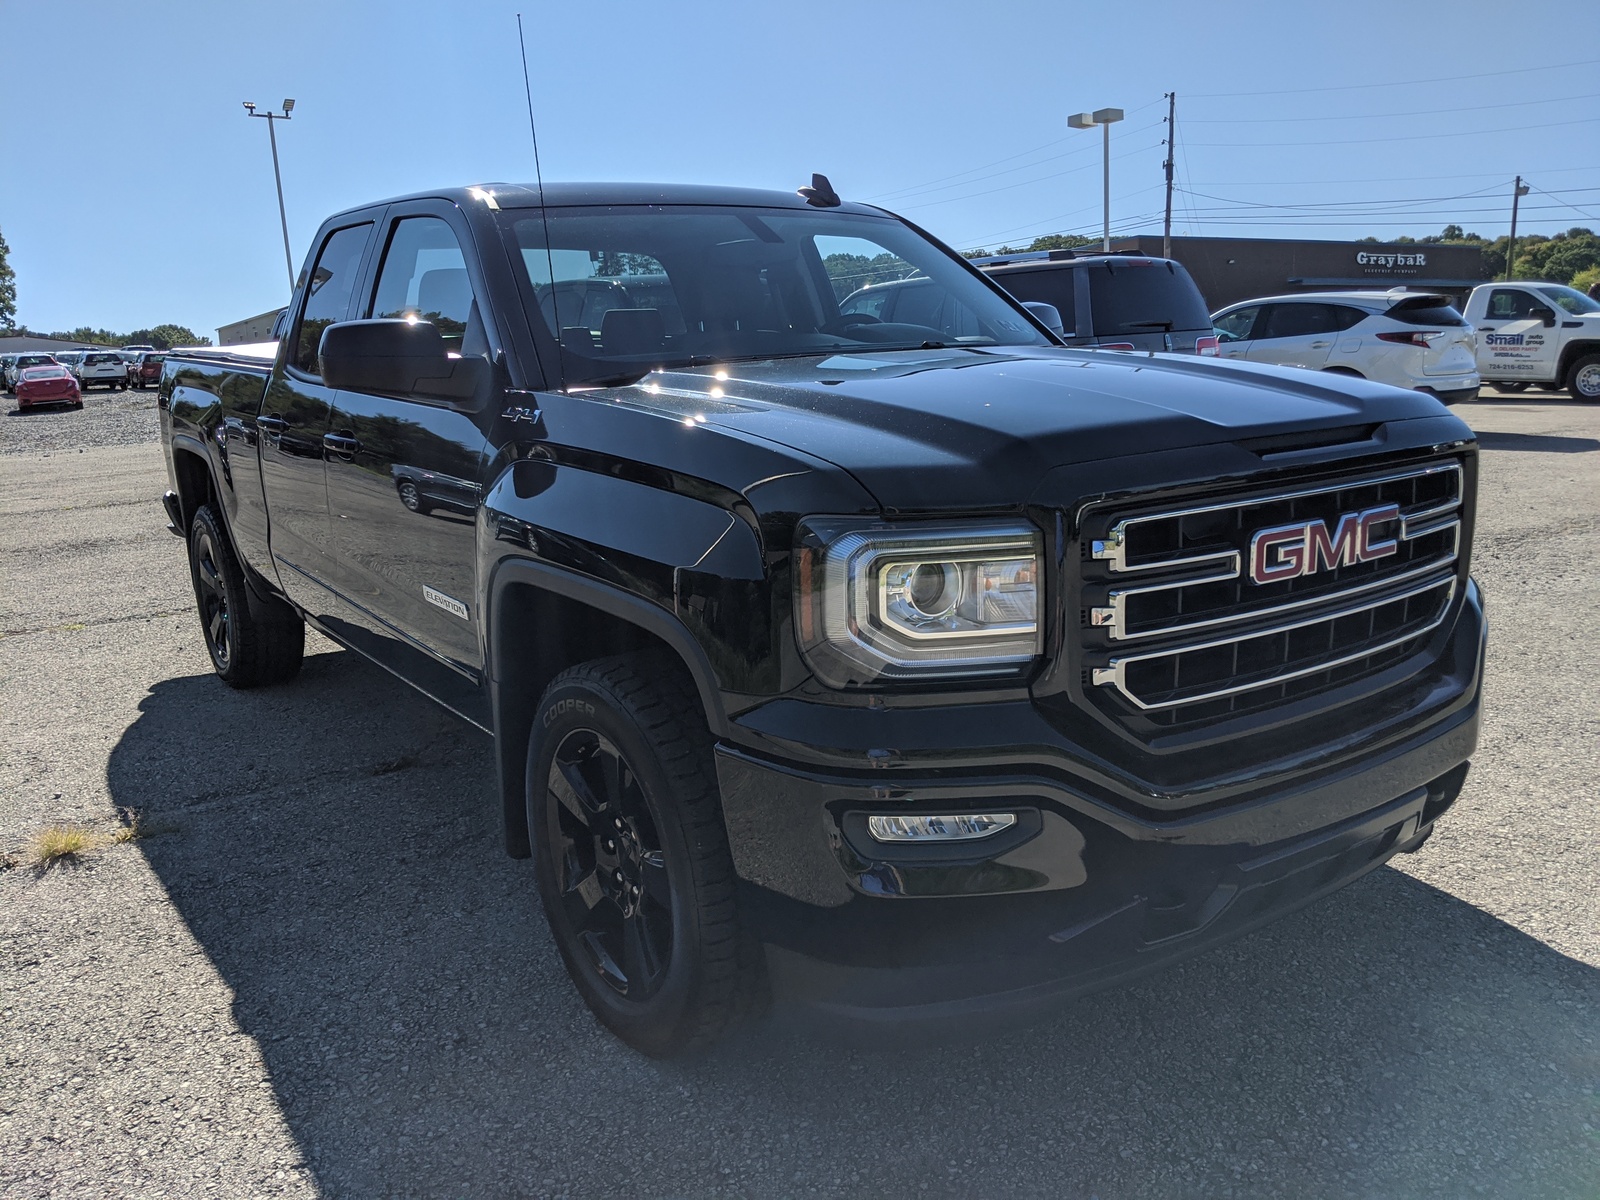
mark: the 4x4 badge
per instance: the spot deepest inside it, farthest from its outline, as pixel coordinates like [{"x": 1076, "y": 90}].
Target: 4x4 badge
[{"x": 1306, "y": 547}]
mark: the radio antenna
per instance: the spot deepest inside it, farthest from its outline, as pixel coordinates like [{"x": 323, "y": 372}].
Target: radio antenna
[{"x": 544, "y": 216}]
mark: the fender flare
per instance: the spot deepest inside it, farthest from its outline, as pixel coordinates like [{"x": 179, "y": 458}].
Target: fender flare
[{"x": 625, "y": 606}]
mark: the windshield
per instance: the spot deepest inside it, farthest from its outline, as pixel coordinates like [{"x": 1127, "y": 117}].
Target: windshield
[
  {"x": 637, "y": 287},
  {"x": 1571, "y": 299}
]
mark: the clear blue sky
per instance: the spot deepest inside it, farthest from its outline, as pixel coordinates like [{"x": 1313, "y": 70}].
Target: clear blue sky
[{"x": 135, "y": 191}]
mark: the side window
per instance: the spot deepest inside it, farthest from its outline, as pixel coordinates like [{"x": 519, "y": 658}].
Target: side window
[
  {"x": 1344, "y": 317},
  {"x": 1237, "y": 323},
  {"x": 1299, "y": 320},
  {"x": 424, "y": 275},
  {"x": 332, "y": 281},
  {"x": 871, "y": 302},
  {"x": 1510, "y": 304}
]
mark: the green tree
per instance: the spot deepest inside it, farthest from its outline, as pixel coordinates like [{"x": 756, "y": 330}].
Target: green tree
[
  {"x": 8, "y": 288},
  {"x": 1050, "y": 241},
  {"x": 1586, "y": 278},
  {"x": 164, "y": 337}
]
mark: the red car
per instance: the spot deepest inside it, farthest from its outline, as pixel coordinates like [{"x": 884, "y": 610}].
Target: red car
[
  {"x": 38, "y": 386},
  {"x": 145, "y": 369}
]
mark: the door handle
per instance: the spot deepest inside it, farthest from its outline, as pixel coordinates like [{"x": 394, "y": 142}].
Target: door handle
[
  {"x": 1320, "y": 345},
  {"x": 272, "y": 423},
  {"x": 341, "y": 443},
  {"x": 1485, "y": 328}
]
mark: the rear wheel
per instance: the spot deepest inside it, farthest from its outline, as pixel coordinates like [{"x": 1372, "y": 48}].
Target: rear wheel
[
  {"x": 1513, "y": 387},
  {"x": 248, "y": 647},
  {"x": 411, "y": 497},
  {"x": 632, "y": 856},
  {"x": 1583, "y": 381}
]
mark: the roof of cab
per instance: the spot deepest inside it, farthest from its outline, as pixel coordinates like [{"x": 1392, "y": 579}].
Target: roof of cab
[{"x": 567, "y": 195}]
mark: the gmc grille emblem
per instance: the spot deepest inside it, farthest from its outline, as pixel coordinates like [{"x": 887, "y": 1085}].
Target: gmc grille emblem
[{"x": 1289, "y": 551}]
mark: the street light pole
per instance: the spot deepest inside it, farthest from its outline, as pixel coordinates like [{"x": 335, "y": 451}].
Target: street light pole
[
  {"x": 272, "y": 136},
  {"x": 1518, "y": 190},
  {"x": 1105, "y": 118}
]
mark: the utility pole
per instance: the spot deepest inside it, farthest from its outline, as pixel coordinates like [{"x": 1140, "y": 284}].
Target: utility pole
[
  {"x": 1517, "y": 192},
  {"x": 1172, "y": 135},
  {"x": 288, "y": 107}
]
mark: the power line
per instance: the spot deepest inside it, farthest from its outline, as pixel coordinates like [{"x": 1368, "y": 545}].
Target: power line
[
  {"x": 1564, "y": 203},
  {"x": 1388, "y": 178},
  {"x": 1343, "y": 203},
  {"x": 1023, "y": 182},
  {"x": 1423, "y": 112},
  {"x": 1413, "y": 137},
  {"x": 1356, "y": 87}
]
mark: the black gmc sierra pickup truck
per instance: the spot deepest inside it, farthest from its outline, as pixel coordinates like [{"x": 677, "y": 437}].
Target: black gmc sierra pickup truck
[{"x": 910, "y": 671}]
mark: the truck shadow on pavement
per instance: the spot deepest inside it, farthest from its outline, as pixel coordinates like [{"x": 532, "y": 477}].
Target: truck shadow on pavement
[
  {"x": 1542, "y": 443},
  {"x": 333, "y": 847}
]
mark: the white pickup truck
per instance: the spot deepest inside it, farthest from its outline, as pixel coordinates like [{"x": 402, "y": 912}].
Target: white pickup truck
[{"x": 1537, "y": 334}]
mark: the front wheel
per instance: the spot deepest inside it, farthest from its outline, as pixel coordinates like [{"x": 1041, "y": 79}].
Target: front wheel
[
  {"x": 248, "y": 647},
  {"x": 632, "y": 856},
  {"x": 1583, "y": 381}
]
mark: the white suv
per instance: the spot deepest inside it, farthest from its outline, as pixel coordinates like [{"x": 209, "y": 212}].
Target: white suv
[
  {"x": 1408, "y": 339},
  {"x": 101, "y": 366}
]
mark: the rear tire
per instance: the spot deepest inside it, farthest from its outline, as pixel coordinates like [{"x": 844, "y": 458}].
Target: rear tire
[
  {"x": 411, "y": 497},
  {"x": 249, "y": 646},
  {"x": 632, "y": 855},
  {"x": 1514, "y": 387},
  {"x": 1583, "y": 381}
]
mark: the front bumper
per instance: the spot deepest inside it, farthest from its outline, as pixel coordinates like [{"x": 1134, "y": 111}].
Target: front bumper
[{"x": 1087, "y": 891}]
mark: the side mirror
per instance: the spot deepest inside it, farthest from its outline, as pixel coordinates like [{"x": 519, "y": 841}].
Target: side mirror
[
  {"x": 1048, "y": 314},
  {"x": 394, "y": 357},
  {"x": 1547, "y": 315}
]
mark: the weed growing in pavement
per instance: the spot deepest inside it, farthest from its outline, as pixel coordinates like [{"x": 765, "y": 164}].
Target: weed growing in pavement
[
  {"x": 67, "y": 845},
  {"x": 60, "y": 845}
]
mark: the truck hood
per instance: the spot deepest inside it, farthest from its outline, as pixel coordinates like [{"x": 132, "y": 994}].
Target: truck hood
[{"x": 972, "y": 429}]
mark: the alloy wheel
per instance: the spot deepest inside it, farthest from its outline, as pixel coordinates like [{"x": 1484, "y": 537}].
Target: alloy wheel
[
  {"x": 213, "y": 597},
  {"x": 611, "y": 869}
]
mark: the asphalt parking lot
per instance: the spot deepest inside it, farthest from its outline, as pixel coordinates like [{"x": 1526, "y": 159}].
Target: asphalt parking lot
[{"x": 316, "y": 973}]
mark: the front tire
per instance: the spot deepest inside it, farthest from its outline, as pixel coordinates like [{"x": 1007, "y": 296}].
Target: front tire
[
  {"x": 249, "y": 646},
  {"x": 632, "y": 855},
  {"x": 1583, "y": 381}
]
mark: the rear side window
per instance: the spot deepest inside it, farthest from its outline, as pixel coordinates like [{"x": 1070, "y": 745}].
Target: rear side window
[
  {"x": 332, "y": 281},
  {"x": 1430, "y": 313},
  {"x": 1049, "y": 285},
  {"x": 1144, "y": 296}
]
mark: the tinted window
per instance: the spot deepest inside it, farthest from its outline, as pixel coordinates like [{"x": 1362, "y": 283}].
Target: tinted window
[
  {"x": 1047, "y": 285},
  {"x": 1142, "y": 295},
  {"x": 91, "y": 359},
  {"x": 1301, "y": 320},
  {"x": 1430, "y": 312},
  {"x": 1237, "y": 323},
  {"x": 424, "y": 275},
  {"x": 332, "y": 281}
]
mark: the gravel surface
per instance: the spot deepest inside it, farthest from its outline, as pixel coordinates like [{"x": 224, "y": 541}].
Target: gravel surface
[
  {"x": 317, "y": 973},
  {"x": 108, "y": 419}
]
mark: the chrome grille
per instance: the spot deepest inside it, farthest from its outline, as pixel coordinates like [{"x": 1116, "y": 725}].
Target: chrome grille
[{"x": 1173, "y": 625}]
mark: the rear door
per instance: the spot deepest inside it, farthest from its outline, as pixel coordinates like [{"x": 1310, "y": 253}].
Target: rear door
[
  {"x": 1295, "y": 333},
  {"x": 1513, "y": 342},
  {"x": 403, "y": 473},
  {"x": 294, "y": 418}
]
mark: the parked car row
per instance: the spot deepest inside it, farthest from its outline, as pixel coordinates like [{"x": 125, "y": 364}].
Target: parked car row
[{"x": 129, "y": 366}]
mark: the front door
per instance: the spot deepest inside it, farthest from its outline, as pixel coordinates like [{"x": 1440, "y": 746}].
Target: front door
[
  {"x": 1295, "y": 333},
  {"x": 403, "y": 477},
  {"x": 294, "y": 419},
  {"x": 1513, "y": 340}
]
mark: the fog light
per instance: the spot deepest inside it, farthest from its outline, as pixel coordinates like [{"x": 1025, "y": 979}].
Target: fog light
[{"x": 961, "y": 827}]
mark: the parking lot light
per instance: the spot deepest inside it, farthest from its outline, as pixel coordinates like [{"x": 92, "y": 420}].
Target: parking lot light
[
  {"x": 288, "y": 107},
  {"x": 1104, "y": 118}
]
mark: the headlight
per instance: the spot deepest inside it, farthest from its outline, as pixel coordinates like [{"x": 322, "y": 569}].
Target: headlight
[{"x": 877, "y": 603}]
